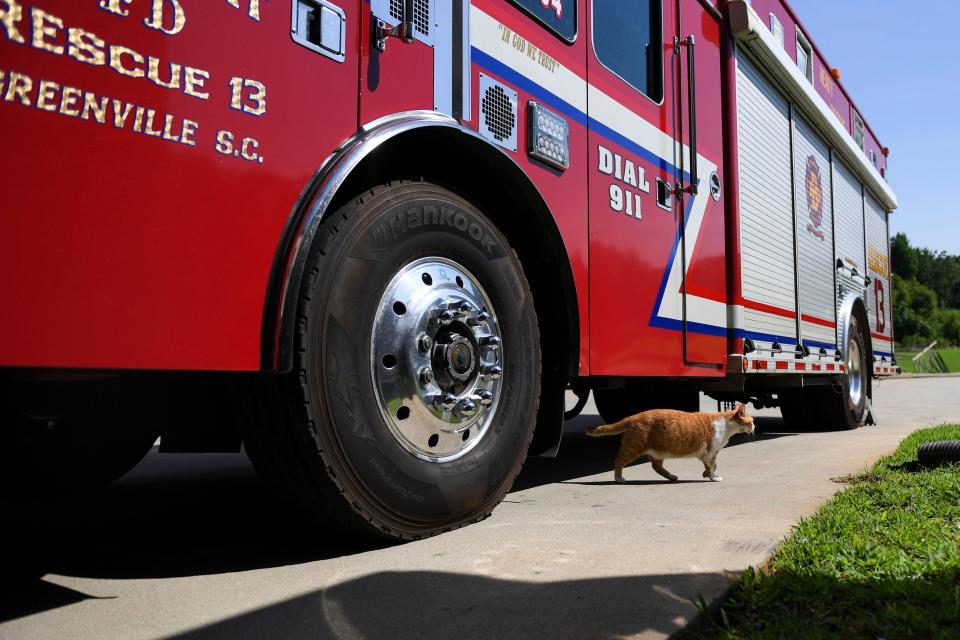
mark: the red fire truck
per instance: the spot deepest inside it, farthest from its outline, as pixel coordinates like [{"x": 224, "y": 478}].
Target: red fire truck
[{"x": 377, "y": 240}]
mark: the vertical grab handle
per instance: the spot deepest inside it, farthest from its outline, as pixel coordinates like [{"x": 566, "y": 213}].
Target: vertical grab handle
[
  {"x": 692, "y": 189},
  {"x": 404, "y": 30},
  {"x": 692, "y": 109},
  {"x": 407, "y": 35}
]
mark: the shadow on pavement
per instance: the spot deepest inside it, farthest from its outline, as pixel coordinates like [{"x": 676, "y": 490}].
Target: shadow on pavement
[
  {"x": 175, "y": 515},
  {"x": 427, "y": 605},
  {"x": 636, "y": 483},
  {"x": 19, "y": 599},
  {"x": 180, "y": 515}
]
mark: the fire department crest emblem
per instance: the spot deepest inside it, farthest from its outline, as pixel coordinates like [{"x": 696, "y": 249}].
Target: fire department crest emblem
[{"x": 814, "y": 189}]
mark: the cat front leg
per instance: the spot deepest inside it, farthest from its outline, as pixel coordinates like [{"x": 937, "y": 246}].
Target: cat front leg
[
  {"x": 658, "y": 467},
  {"x": 713, "y": 471},
  {"x": 710, "y": 468}
]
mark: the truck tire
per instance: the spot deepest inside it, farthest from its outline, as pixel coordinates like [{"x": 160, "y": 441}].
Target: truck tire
[
  {"x": 844, "y": 406},
  {"x": 618, "y": 403},
  {"x": 800, "y": 408},
  {"x": 58, "y": 439},
  {"x": 416, "y": 380}
]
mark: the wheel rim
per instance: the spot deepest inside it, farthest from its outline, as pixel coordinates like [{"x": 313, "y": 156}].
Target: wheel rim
[
  {"x": 437, "y": 359},
  {"x": 854, "y": 373}
]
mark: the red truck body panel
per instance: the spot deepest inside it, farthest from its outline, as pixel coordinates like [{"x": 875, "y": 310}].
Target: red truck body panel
[
  {"x": 153, "y": 160},
  {"x": 120, "y": 249}
]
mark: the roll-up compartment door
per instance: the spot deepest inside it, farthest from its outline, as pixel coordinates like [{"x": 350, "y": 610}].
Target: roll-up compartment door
[
  {"x": 766, "y": 208},
  {"x": 879, "y": 294},
  {"x": 848, "y": 209},
  {"x": 814, "y": 237}
]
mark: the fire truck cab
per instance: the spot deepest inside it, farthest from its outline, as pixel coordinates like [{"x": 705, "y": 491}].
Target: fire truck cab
[{"x": 377, "y": 240}]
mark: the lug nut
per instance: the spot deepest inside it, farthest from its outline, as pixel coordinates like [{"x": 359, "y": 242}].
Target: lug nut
[
  {"x": 492, "y": 372},
  {"x": 447, "y": 316},
  {"x": 481, "y": 318},
  {"x": 491, "y": 342},
  {"x": 426, "y": 375},
  {"x": 424, "y": 343},
  {"x": 463, "y": 309},
  {"x": 484, "y": 397},
  {"x": 449, "y": 401},
  {"x": 467, "y": 408}
]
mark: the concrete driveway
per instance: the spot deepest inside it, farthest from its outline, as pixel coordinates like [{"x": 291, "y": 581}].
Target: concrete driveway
[{"x": 195, "y": 546}]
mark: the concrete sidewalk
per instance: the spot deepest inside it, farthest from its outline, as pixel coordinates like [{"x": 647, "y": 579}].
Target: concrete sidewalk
[{"x": 568, "y": 555}]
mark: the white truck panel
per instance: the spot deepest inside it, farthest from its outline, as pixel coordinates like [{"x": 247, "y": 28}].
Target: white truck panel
[
  {"x": 879, "y": 293},
  {"x": 766, "y": 203},
  {"x": 803, "y": 210},
  {"x": 848, "y": 209},
  {"x": 814, "y": 237}
]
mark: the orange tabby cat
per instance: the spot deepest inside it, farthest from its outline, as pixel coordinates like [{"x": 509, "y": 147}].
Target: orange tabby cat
[{"x": 665, "y": 433}]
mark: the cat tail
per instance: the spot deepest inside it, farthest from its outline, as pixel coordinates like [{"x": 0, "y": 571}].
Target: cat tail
[{"x": 608, "y": 429}]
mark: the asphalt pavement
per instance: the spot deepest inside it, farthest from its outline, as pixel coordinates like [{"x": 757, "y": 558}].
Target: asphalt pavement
[{"x": 195, "y": 546}]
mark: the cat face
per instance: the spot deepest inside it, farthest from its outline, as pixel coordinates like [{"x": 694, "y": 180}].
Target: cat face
[{"x": 742, "y": 419}]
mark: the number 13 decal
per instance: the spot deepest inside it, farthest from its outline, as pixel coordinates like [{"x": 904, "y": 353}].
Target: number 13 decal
[
  {"x": 881, "y": 302},
  {"x": 556, "y": 4}
]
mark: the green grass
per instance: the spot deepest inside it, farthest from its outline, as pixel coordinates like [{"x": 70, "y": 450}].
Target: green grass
[
  {"x": 880, "y": 560},
  {"x": 951, "y": 357},
  {"x": 903, "y": 359}
]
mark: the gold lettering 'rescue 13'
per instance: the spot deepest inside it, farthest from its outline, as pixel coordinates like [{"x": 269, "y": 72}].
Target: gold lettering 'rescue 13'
[
  {"x": 47, "y": 32},
  {"x": 625, "y": 196}
]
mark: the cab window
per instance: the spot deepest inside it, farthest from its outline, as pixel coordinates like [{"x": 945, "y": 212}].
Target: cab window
[
  {"x": 559, "y": 16},
  {"x": 628, "y": 40}
]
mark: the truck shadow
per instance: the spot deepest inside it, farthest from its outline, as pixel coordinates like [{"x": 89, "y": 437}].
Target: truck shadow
[
  {"x": 180, "y": 515},
  {"x": 174, "y": 515},
  {"x": 428, "y": 604}
]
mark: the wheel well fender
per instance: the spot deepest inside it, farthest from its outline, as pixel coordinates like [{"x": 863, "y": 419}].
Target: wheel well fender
[
  {"x": 854, "y": 306},
  {"x": 434, "y": 147}
]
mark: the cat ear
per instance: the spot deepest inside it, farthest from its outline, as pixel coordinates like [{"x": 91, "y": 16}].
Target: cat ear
[{"x": 741, "y": 410}]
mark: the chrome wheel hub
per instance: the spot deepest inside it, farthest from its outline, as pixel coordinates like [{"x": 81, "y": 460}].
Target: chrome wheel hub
[
  {"x": 436, "y": 359},
  {"x": 854, "y": 372}
]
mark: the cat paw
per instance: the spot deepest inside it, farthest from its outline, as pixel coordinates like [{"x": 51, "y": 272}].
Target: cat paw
[
  {"x": 706, "y": 474},
  {"x": 716, "y": 479},
  {"x": 673, "y": 478},
  {"x": 620, "y": 480}
]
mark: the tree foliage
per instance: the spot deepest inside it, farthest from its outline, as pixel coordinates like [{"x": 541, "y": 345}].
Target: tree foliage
[{"x": 926, "y": 294}]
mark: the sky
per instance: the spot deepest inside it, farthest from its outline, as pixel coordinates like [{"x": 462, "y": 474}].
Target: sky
[{"x": 901, "y": 65}]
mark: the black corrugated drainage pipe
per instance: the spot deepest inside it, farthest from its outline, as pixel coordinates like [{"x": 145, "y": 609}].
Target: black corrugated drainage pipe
[{"x": 932, "y": 454}]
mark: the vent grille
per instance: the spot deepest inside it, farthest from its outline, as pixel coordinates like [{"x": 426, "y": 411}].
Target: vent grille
[
  {"x": 498, "y": 113},
  {"x": 421, "y": 14},
  {"x": 498, "y": 110}
]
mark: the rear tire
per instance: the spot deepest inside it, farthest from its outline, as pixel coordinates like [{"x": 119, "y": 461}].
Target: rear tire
[
  {"x": 801, "y": 408},
  {"x": 844, "y": 406},
  {"x": 353, "y": 433}
]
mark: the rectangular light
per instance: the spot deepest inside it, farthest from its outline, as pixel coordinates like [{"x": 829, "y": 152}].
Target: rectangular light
[{"x": 548, "y": 136}]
